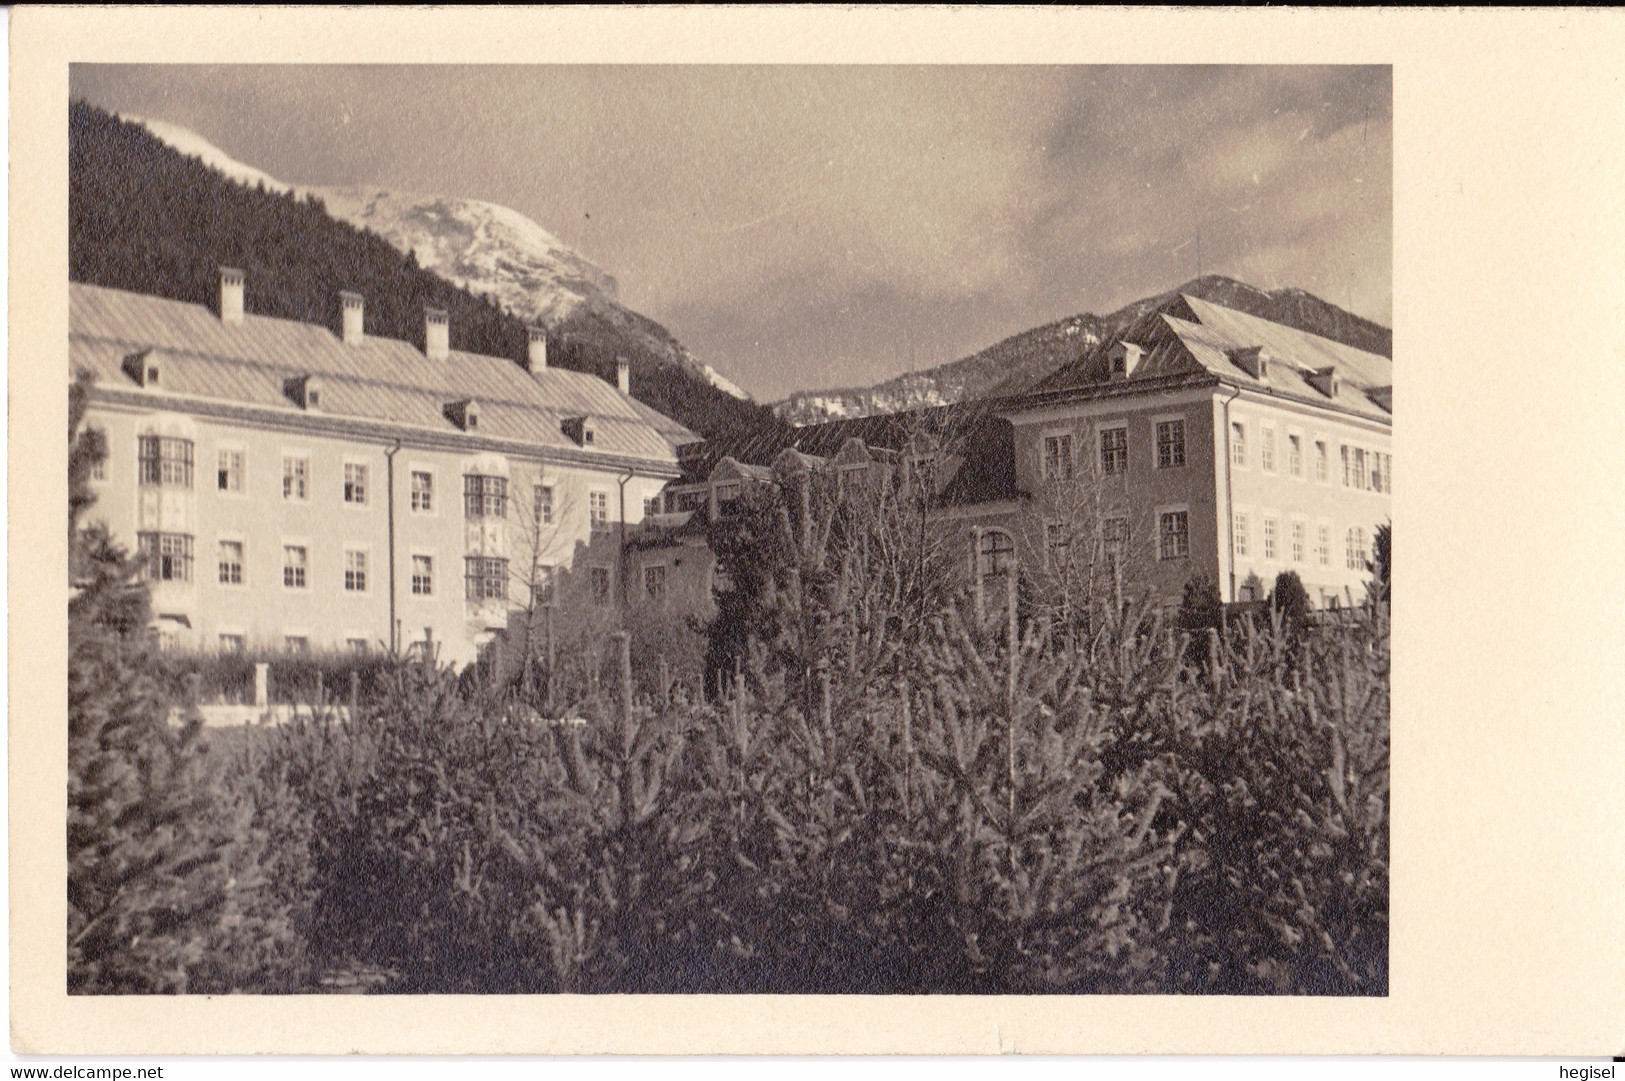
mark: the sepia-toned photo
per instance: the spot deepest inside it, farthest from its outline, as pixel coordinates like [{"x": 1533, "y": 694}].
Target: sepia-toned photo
[
  {"x": 760, "y": 531},
  {"x": 729, "y": 530}
]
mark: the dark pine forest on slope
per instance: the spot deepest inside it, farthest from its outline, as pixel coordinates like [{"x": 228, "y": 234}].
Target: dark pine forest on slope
[{"x": 147, "y": 219}]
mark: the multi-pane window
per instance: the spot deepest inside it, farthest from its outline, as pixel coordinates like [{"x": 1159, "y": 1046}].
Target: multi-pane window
[
  {"x": 295, "y": 477},
  {"x": 485, "y": 496},
  {"x": 355, "y": 483},
  {"x": 1114, "y": 540},
  {"x": 295, "y": 561},
  {"x": 1348, "y": 468},
  {"x": 727, "y": 497},
  {"x": 355, "y": 570},
  {"x": 165, "y": 557},
  {"x": 1356, "y": 549},
  {"x": 1058, "y": 543},
  {"x": 1361, "y": 480},
  {"x": 231, "y": 563},
  {"x": 1297, "y": 542},
  {"x": 544, "y": 504},
  {"x": 1238, "y": 444},
  {"x": 1386, "y": 470},
  {"x": 229, "y": 475},
  {"x": 1269, "y": 538},
  {"x": 98, "y": 468},
  {"x": 1173, "y": 534},
  {"x": 651, "y": 506},
  {"x": 996, "y": 556},
  {"x": 1058, "y": 457},
  {"x": 422, "y": 576},
  {"x": 165, "y": 461},
  {"x": 296, "y": 643},
  {"x": 1323, "y": 469},
  {"x": 1238, "y": 530},
  {"x": 654, "y": 582},
  {"x": 544, "y": 590},
  {"x": 1266, "y": 450},
  {"x": 485, "y": 578},
  {"x": 1323, "y": 548},
  {"x": 1294, "y": 455},
  {"x": 1113, "y": 450},
  {"x": 232, "y": 643},
  {"x": 1170, "y": 443},
  {"x": 422, "y": 491},
  {"x": 598, "y": 506},
  {"x": 598, "y": 578}
]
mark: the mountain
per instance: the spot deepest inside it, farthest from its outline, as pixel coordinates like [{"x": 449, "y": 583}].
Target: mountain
[
  {"x": 1021, "y": 361},
  {"x": 155, "y": 208},
  {"x": 489, "y": 249}
]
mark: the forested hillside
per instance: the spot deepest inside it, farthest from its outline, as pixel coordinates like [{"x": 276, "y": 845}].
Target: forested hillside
[{"x": 145, "y": 218}]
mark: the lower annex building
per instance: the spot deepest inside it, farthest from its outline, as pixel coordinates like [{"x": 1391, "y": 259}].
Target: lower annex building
[{"x": 287, "y": 488}]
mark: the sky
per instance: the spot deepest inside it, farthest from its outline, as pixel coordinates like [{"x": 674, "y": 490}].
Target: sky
[{"x": 812, "y": 227}]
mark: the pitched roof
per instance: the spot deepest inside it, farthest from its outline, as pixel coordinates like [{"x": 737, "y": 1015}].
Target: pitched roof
[
  {"x": 1205, "y": 345},
  {"x": 378, "y": 379}
]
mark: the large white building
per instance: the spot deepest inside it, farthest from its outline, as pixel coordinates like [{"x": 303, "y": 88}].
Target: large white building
[{"x": 292, "y": 489}]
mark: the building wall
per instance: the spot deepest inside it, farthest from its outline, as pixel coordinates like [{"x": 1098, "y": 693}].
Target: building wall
[
  {"x": 1140, "y": 492},
  {"x": 1263, "y": 492},
  {"x": 264, "y": 613}
]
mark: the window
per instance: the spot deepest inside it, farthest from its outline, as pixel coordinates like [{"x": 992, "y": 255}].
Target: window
[
  {"x": 1361, "y": 478},
  {"x": 1356, "y": 549},
  {"x": 651, "y": 506},
  {"x": 230, "y": 472},
  {"x": 1238, "y": 444},
  {"x": 422, "y": 576},
  {"x": 598, "y": 508},
  {"x": 996, "y": 556},
  {"x": 544, "y": 590},
  {"x": 1173, "y": 534},
  {"x": 1348, "y": 470},
  {"x": 1114, "y": 542},
  {"x": 1387, "y": 467},
  {"x": 1057, "y": 457},
  {"x": 232, "y": 643},
  {"x": 485, "y": 578},
  {"x": 1297, "y": 542},
  {"x": 295, "y": 477},
  {"x": 356, "y": 645},
  {"x": 98, "y": 468},
  {"x": 1322, "y": 466},
  {"x": 654, "y": 582},
  {"x": 1058, "y": 543},
  {"x": 485, "y": 497},
  {"x": 1113, "y": 450},
  {"x": 231, "y": 563},
  {"x": 296, "y": 643},
  {"x": 355, "y": 483},
  {"x": 727, "y": 496},
  {"x": 544, "y": 504},
  {"x": 1239, "y": 528},
  {"x": 1294, "y": 455},
  {"x": 422, "y": 491},
  {"x": 1170, "y": 444},
  {"x": 1269, "y": 538},
  {"x": 355, "y": 571},
  {"x": 294, "y": 562},
  {"x": 1323, "y": 547},
  {"x": 1266, "y": 450},
  {"x": 599, "y": 579},
  {"x": 166, "y": 462},
  {"x": 165, "y": 557}
]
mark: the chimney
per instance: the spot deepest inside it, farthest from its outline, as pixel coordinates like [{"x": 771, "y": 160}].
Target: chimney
[
  {"x": 623, "y": 375},
  {"x": 436, "y": 334},
  {"x": 231, "y": 295},
  {"x": 537, "y": 361},
  {"x": 354, "y": 309}
]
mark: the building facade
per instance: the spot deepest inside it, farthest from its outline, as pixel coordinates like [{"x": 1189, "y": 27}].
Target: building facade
[{"x": 288, "y": 488}]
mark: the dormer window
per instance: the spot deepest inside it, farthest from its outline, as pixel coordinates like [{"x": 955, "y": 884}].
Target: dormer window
[
  {"x": 580, "y": 430},
  {"x": 1251, "y": 359},
  {"x": 1124, "y": 358},
  {"x": 143, "y": 368},
  {"x": 1324, "y": 380},
  {"x": 305, "y": 391},
  {"x": 465, "y": 414}
]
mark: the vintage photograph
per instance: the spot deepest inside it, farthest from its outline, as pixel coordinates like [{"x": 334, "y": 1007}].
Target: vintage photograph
[{"x": 729, "y": 529}]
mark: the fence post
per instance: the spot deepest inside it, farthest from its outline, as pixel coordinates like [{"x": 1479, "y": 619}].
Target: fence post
[{"x": 262, "y": 685}]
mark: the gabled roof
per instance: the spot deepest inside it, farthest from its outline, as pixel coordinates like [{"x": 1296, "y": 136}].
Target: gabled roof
[
  {"x": 379, "y": 379},
  {"x": 1206, "y": 344}
]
